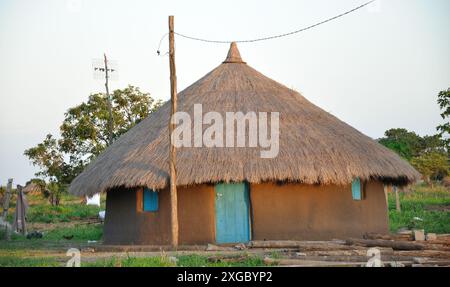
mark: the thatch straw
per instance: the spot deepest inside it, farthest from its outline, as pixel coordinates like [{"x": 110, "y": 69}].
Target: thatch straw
[
  {"x": 315, "y": 146},
  {"x": 32, "y": 188},
  {"x": 233, "y": 55}
]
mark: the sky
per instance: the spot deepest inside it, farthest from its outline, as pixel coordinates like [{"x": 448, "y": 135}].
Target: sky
[{"x": 378, "y": 68}]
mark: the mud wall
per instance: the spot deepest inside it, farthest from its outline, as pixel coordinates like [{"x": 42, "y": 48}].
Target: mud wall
[
  {"x": 127, "y": 223},
  {"x": 307, "y": 212},
  {"x": 289, "y": 211}
]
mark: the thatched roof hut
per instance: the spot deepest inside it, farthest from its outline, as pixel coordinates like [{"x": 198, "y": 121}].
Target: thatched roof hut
[
  {"x": 315, "y": 146},
  {"x": 32, "y": 188},
  {"x": 325, "y": 182}
]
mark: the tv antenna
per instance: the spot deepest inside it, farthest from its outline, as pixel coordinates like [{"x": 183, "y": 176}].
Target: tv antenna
[{"x": 106, "y": 69}]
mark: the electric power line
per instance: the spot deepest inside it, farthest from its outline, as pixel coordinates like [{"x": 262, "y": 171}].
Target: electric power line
[{"x": 274, "y": 36}]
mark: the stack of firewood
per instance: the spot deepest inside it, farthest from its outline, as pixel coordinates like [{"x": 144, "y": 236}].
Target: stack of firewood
[{"x": 396, "y": 250}]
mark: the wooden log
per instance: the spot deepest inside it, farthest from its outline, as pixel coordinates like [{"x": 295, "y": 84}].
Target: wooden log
[
  {"x": 444, "y": 243},
  {"x": 301, "y": 245},
  {"x": 402, "y": 236},
  {"x": 351, "y": 252},
  {"x": 443, "y": 236},
  {"x": 274, "y": 244},
  {"x": 309, "y": 263},
  {"x": 405, "y": 236},
  {"x": 425, "y": 253},
  {"x": 396, "y": 245},
  {"x": 212, "y": 247},
  {"x": 427, "y": 265},
  {"x": 432, "y": 262},
  {"x": 352, "y": 258},
  {"x": 371, "y": 235}
]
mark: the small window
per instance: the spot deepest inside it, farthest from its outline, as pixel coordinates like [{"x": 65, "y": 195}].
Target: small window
[
  {"x": 150, "y": 200},
  {"x": 356, "y": 189}
]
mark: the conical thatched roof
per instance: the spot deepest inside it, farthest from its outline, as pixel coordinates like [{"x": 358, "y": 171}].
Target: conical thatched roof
[
  {"x": 315, "y": 147},
  {"x": 32, "y": 187}
]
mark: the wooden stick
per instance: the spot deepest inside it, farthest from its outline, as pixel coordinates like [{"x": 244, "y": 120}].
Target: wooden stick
[
  {"x": 386, "y": 195},
  {"x": 7, "y": 199},
  {"x": 172, "y": 161},
  {"x": 396, "y": 245},
  {"x": 397, "y": 199}
]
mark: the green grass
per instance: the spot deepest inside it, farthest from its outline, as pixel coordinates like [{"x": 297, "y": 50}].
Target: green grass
[
  {"x": 425, "y": 203},
  {"x": 14, "y": 261},
  {"x": 157, "y": 261},
  {"x": 83, "y": 232},
  {"x": 70, "y": 208},
  {"x": 181, "y": 261},
  {"x": 79, "y": 232},
  {"x": 62, "y": 213},
  {"x": 429, "y": 204},
  {"x": 198, "y": 260}
]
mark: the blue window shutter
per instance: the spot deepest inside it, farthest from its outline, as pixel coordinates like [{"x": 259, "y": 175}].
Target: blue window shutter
[
  {"x": 356, "y": 189},
  {"x": 150, "y": 200}
]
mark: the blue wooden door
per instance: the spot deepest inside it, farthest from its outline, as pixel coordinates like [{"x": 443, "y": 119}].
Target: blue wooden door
[{"x": 232, "y": 213}]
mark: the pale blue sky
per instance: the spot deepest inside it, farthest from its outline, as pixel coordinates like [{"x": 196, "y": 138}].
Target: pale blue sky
[{"x": 376, "y": 69}]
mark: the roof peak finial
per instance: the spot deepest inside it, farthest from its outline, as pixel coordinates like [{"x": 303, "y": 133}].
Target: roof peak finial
[{"x": 233, "y": 54}]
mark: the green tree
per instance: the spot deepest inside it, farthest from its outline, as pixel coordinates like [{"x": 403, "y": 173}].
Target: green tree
[
  {"x": 84, "y": 131},
  {"x": 444, "y": 105},
  {"x": 432, "y": 165},
  {"x": 433, "y": 143},
  {"x": 54, "y": 191},
  {"x": 84, "y": 134},
  {"x": 407, "y": 144},
  {"x": 50, "y": 160}
]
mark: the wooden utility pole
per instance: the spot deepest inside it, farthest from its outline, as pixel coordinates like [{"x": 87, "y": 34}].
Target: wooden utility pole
[
  {"x": 110, "y": 120},
  {"x": 397, "y": 199},
  {"x": 172, "y": 156},
  {"x": 7, "y": 199}
]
